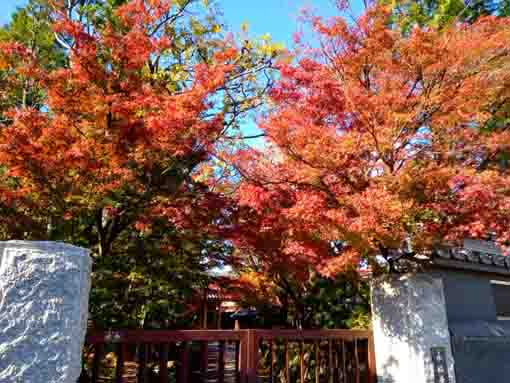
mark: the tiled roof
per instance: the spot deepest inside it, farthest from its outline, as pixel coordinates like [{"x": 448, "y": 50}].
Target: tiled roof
[{"x": 474, "y": 253}]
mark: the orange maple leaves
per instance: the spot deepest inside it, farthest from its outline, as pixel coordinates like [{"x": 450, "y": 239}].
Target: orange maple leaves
[
  {"x": 380, "y": 139},
  {"x": 374, "y": 139},
  {"x": 108, "y": 118}
]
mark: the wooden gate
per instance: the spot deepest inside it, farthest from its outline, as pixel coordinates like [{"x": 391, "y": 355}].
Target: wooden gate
[{"x": 230, "y": 356}]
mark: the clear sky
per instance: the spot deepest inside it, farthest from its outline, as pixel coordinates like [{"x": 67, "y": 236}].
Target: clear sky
[
  {"x": 276, "y": 17},
  {"x": 7, "y": 7}
]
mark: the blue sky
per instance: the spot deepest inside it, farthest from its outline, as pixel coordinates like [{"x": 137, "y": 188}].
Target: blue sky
[
  {"x": 276, "y": 17},
  {"x": 7, "y": 7}
]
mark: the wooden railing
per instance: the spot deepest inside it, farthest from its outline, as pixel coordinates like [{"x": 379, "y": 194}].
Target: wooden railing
[{"x": 230, "y": 356}]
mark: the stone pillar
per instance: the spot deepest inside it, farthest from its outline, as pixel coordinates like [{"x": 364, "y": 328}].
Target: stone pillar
[
  {"x": 44, "y": 292},
  {"x": 412, "y": 341}
]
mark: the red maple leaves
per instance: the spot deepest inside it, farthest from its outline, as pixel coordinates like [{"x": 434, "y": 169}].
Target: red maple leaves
[
  {"x": 380, "y": 139},
  {"x": 374, "y": 139},
  {"x": 108, "y": 118}
]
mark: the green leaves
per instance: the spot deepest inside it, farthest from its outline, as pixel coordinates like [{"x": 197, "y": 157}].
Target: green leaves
[
  {"x": 31, "y": 27},
  {"x": 440, "y": 13}
]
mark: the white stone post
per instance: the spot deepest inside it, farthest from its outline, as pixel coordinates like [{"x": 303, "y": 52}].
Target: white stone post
[
  {"x": 44, "y": 292},
  {"x": 412, "y": 341}
]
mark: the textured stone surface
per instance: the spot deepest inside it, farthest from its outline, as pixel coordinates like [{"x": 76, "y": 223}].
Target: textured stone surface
[
  {"x": 409, "y": 319},
  {"x": 44, "y": 290}
]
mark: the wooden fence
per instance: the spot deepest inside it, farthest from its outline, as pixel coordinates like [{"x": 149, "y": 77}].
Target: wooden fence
[{"x": 229, "y": 356}]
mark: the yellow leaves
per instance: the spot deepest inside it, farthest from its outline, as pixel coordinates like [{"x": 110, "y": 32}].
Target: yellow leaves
[
  {"x": 263, "y": 45},
  {"x": 187, "y": 52},
  {"x": 266, "y": 37},
  {"x": 255, "y": 279},
  {"x": 270, "y": 49},
  {"x": 181, "y": 3},
  {"x": 203, "y": 174},
  {"x": 135, "y": 277},
  {"x": 4, "y": 63},
  {"x": 177, "y": 73},
  {"x": 197, "y": 28}
]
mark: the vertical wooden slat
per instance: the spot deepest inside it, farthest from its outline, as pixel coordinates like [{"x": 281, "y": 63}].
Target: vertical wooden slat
[
  {"x": 184, "y": 365},
  {"x": 243, "y": 358},
  {"x": 237, "y": 361},
  {"x": 119, "y": 368},
  {"x": 271, "y": 366},
  {"x": 344, "y": 363},
  {"x": 287, "y": 362},
  {"x": 204, "y": 358},
  {"x": 372, "y": 373},
  {"x": 356, "y": 359},
  {"x": 330, "y": 355},
  {"x": 337, "y": 361},
  {"x": 302, "y": 361},
  {"x": 142, "y": 373},
  {"x": 96, "y": 364},
  {"x": 253, "y": 356},
  {"x": 317, "y": 362},
  {"x": 163, "y": 363},
  {"x": 221, "y": 362},
  {"x": 275, "y": 358}
]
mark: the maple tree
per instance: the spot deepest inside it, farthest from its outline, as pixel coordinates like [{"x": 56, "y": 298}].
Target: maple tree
[
  {"x": 283, "y": 299},
  {"x": 116, "y": 154},
  {"x": 439, "y": 14},
  {"x": 377, "y": 146}
]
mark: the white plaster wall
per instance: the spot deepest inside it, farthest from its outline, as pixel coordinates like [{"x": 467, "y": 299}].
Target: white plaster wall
[{"x": 409, "y": 318}]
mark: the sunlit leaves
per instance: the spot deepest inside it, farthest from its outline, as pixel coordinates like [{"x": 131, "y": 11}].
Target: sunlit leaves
[
  {"x": 379, "y": 142},
  {"x": 118, "y": 154}
]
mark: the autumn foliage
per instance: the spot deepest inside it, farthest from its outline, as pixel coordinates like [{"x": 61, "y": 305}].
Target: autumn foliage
[
  {"x": 381, "y": 145},
  {"x": 113, "y": 125},
  {"x": 108, "y": 143}
]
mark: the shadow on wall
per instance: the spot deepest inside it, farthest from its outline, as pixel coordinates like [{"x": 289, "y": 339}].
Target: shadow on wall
[
  {"x": 409, "y": 318},
  {"x": 386, "y": 375}
]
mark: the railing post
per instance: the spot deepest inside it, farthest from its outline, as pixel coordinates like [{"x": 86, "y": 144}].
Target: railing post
[
  {"x": 119, "y": 368},
  {"x": 272, "y": 367},
  {"x": 371, "y": 373},
  {"x": 221, "y": 362},
  {"x": 143, "y": 372},
  {"x": 253, "y": 357},
  {"x": 163, "y": 363},
  {"x": 317, "y": 361},
  {"x": 302, "y": 361},
  {"x": 356, "y": 360},
  {"x": 184, "y": 361},
  {"x": 96, "y": 366},
  {"x": 287, "y": 362},
  {"x": 331, "y": 370},
  {"x": 204, "y": 360},
  {"x": 243, "y": 358},
  {"x": 238, "y": 364}
]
